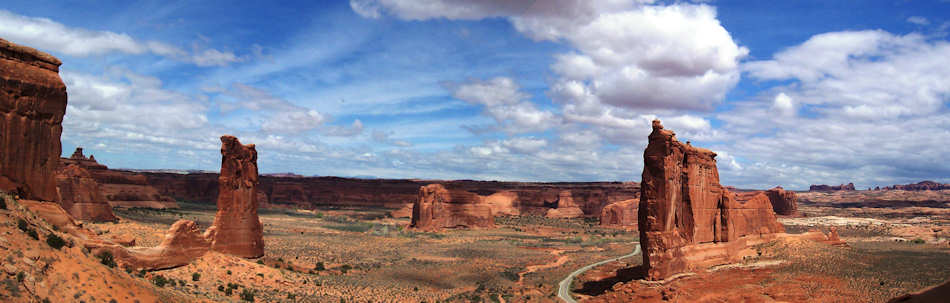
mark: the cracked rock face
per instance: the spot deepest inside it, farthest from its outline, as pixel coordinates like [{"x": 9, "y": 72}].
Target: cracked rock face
[
  {"x": 32, "y": 105},
  {"x": 237, "y": 230},
  {"x": 686, "y": 218}
]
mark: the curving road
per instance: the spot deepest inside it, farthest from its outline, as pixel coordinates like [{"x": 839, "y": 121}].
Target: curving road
[{"x": 564, "y": 288}]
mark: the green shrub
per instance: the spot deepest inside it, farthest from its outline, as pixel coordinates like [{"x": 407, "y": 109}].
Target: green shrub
[
  {"x": 32, "y": 233},
  {"x": 20, "y": 276},
  {"x": 107, "y": 259},
  {"x": 247, "y": 295},
  {"x": 195, "y": 277},
  {"x": 3, "y": 203},
  {"x": 918, "y": 241},
  {"x": 261, "y": 262},
  {"x": 22, "y": 225},
  {"x": 320, "y": 266},
  {"x": 221, "y": 288},
  {"x": 229, "y": 272},
  {"x": 159, "y": 280},
  {"x": 55, "y": 241}
]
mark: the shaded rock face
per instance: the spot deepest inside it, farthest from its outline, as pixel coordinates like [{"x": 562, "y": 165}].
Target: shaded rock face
[
  {"x": 934, "y": 294},
  {"x": 79, "y": 195},
  {"x": 783, "y": 202},
  {"x": 237, "y": 230},
  {"x": 438, "y": 208},
  {"x": 566, "y": 208},
  {"x": 622, "y": 213},
  {"x": 32, "y": 105},
  {"x": 120, "y": 188},
  {"x": 686, "y": 218},
  {"x": 823, "y": 187}
]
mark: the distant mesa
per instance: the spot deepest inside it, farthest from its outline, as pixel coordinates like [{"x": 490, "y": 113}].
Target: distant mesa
[
  {"x": 919, "y": 186},
  {"x": 822, "y": 187},
  {"x": 120, "y": 188},
  {"x": 32, "y": 105},
  {"x": 438, "y": 208},
  {"x": 687, "y": 220}
]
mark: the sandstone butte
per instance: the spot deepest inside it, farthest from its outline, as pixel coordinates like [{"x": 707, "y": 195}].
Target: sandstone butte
[
  {"x": 687, "y": 220},
  {"x": 438, "y": 208},
  {"x": 32, "y": 105},
  {"x": 783, "y": 202},
  {"x": 120, "y": 188},
  {"x": 823, "y": 187},
  {"x": 79, "y": 194},
  {"x": 566, "y": 208},
  {"x": 922, "y": 185},
  {"x": 237, "y": 230},
  {"x": 621, "y": 213}
]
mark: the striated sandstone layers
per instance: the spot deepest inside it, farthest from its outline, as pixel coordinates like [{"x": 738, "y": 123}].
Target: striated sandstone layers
[
  {"x": 182, "y": 244},
  {"x": 919, "y": 186},
  {"x": 783, "y": 202},
  {"x": 120, "y": 188},
  {"x": 79, "y": 194},
  {"x": 687, "y": 220},
  {"x": 566, "y": 208},
  {"x": 438, "y": 208},
  {"x": 823, "y": 187},
  {"x": 622, "y": 213},
  {"x": 237, "y": 230},
  {"x": 32, "y": 105}
]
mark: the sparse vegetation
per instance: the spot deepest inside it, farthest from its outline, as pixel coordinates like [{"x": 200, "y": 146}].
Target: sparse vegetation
[
  {"x": 159, "y": 280},
  {"x": 247, "y": 295},
  {"x": 320, "y": 266},
  {"x": 107, "y": 259},
  {"x": 196, "y": 276},
  {"x": 55, "y": 241}
]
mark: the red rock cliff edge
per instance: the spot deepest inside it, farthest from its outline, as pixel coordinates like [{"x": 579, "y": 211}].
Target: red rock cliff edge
[
  {"x": 687, "y": 220},
  {"x": 438, "y": 208},
  {"x": 32, "y": 105}
]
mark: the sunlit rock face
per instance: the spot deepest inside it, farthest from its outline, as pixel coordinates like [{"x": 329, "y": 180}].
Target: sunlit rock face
[
  {"x": 32, "y": 105},
  {"x": 783, "y": 202},
  {"x": 438, "y": 208},
  {"x": 79, "y": 194},
  {"x": 237, "y": 230},
  {"x": 687, "y": 220}
]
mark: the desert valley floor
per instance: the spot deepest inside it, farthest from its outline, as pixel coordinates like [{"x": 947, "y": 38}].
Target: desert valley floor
[{"x": 365, "y": 255}]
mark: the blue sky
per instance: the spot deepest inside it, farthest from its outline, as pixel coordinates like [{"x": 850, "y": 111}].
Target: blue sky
[{"x": 787, "y": 93}]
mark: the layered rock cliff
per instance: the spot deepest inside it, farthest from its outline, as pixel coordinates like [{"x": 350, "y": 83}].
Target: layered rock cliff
[
  {"x": 237, "y": 229},
  {"x": 120, "y": 188},
  {"x": 32, "y": 105},
  {"x": 823, "y": 187},
  {"x": 566, "y": 208},
  {"x": 79, "y": 194},
  {"x": 686, "y": 218},
  {"x": 438, "y": 208},
  {"x": 922, "y": 185},
  {"x": 622, "y": 213}
]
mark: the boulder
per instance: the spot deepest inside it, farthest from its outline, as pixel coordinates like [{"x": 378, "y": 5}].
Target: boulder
[
  {"x": 182, "y": 244},
  {"x": 79, "y": 194},
  {"x": 686, "y": 219},
  {"x": 783, "y": 202},
  {"x": 237, "y": 229},
  {"x": 566, "y": 208},
  {"x": 621, "y": 213},
  {"x": 438, "y": 208},
  {"x": 32, "y": 105}
]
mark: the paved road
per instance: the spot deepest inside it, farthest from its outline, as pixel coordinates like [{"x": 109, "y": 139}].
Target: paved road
[{"x": 564, "y": 288}]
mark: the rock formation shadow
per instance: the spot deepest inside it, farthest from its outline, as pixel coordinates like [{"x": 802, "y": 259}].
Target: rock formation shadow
[{"x": 623, "y": 275}]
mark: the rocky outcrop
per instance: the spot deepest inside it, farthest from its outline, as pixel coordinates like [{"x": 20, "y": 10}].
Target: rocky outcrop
[
  {"x": 237, "y": 229},
  {"x": 182, "y": 244},
  {"x": 566, "y": 208},
  {"x": 687, "y": 220},
  {"x": 623, "y": 213},
  {"x": 438, "y": 208},
  {"x": 32, "y": 105},
  {"x": 923, "y": 185},
  {"x": 120, "y": 188},
  {"x": 79, "y": 194},
  {"x": 822, "y": 187},
  {"x": 783, "y": 202}
]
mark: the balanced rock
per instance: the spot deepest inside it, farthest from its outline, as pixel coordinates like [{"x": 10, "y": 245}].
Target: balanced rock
[
  {"x": 237, "y": 229},
  {"x": 32, "y": 105},
  {"x": 566, "y": 208},
  {"x": 783, "y": 202},
  {"x": 687, "y": 220},
  {"x": 621, "y": 213},
  {"x": 79, "y": 194},
  {"x": 438, "y": 208}
]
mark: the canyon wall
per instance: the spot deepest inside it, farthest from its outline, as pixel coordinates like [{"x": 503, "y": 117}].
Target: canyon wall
[
  {"x": 437, "y": 208},
  {"x": 79, "y": 194},
  {"x": 686, "y": 219},
  {"x": 32, "y": 105},
  {"x": 919, "y": 186},
  {"x": 783, "y": 202},
  {"x": 823, "y": 187}
]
